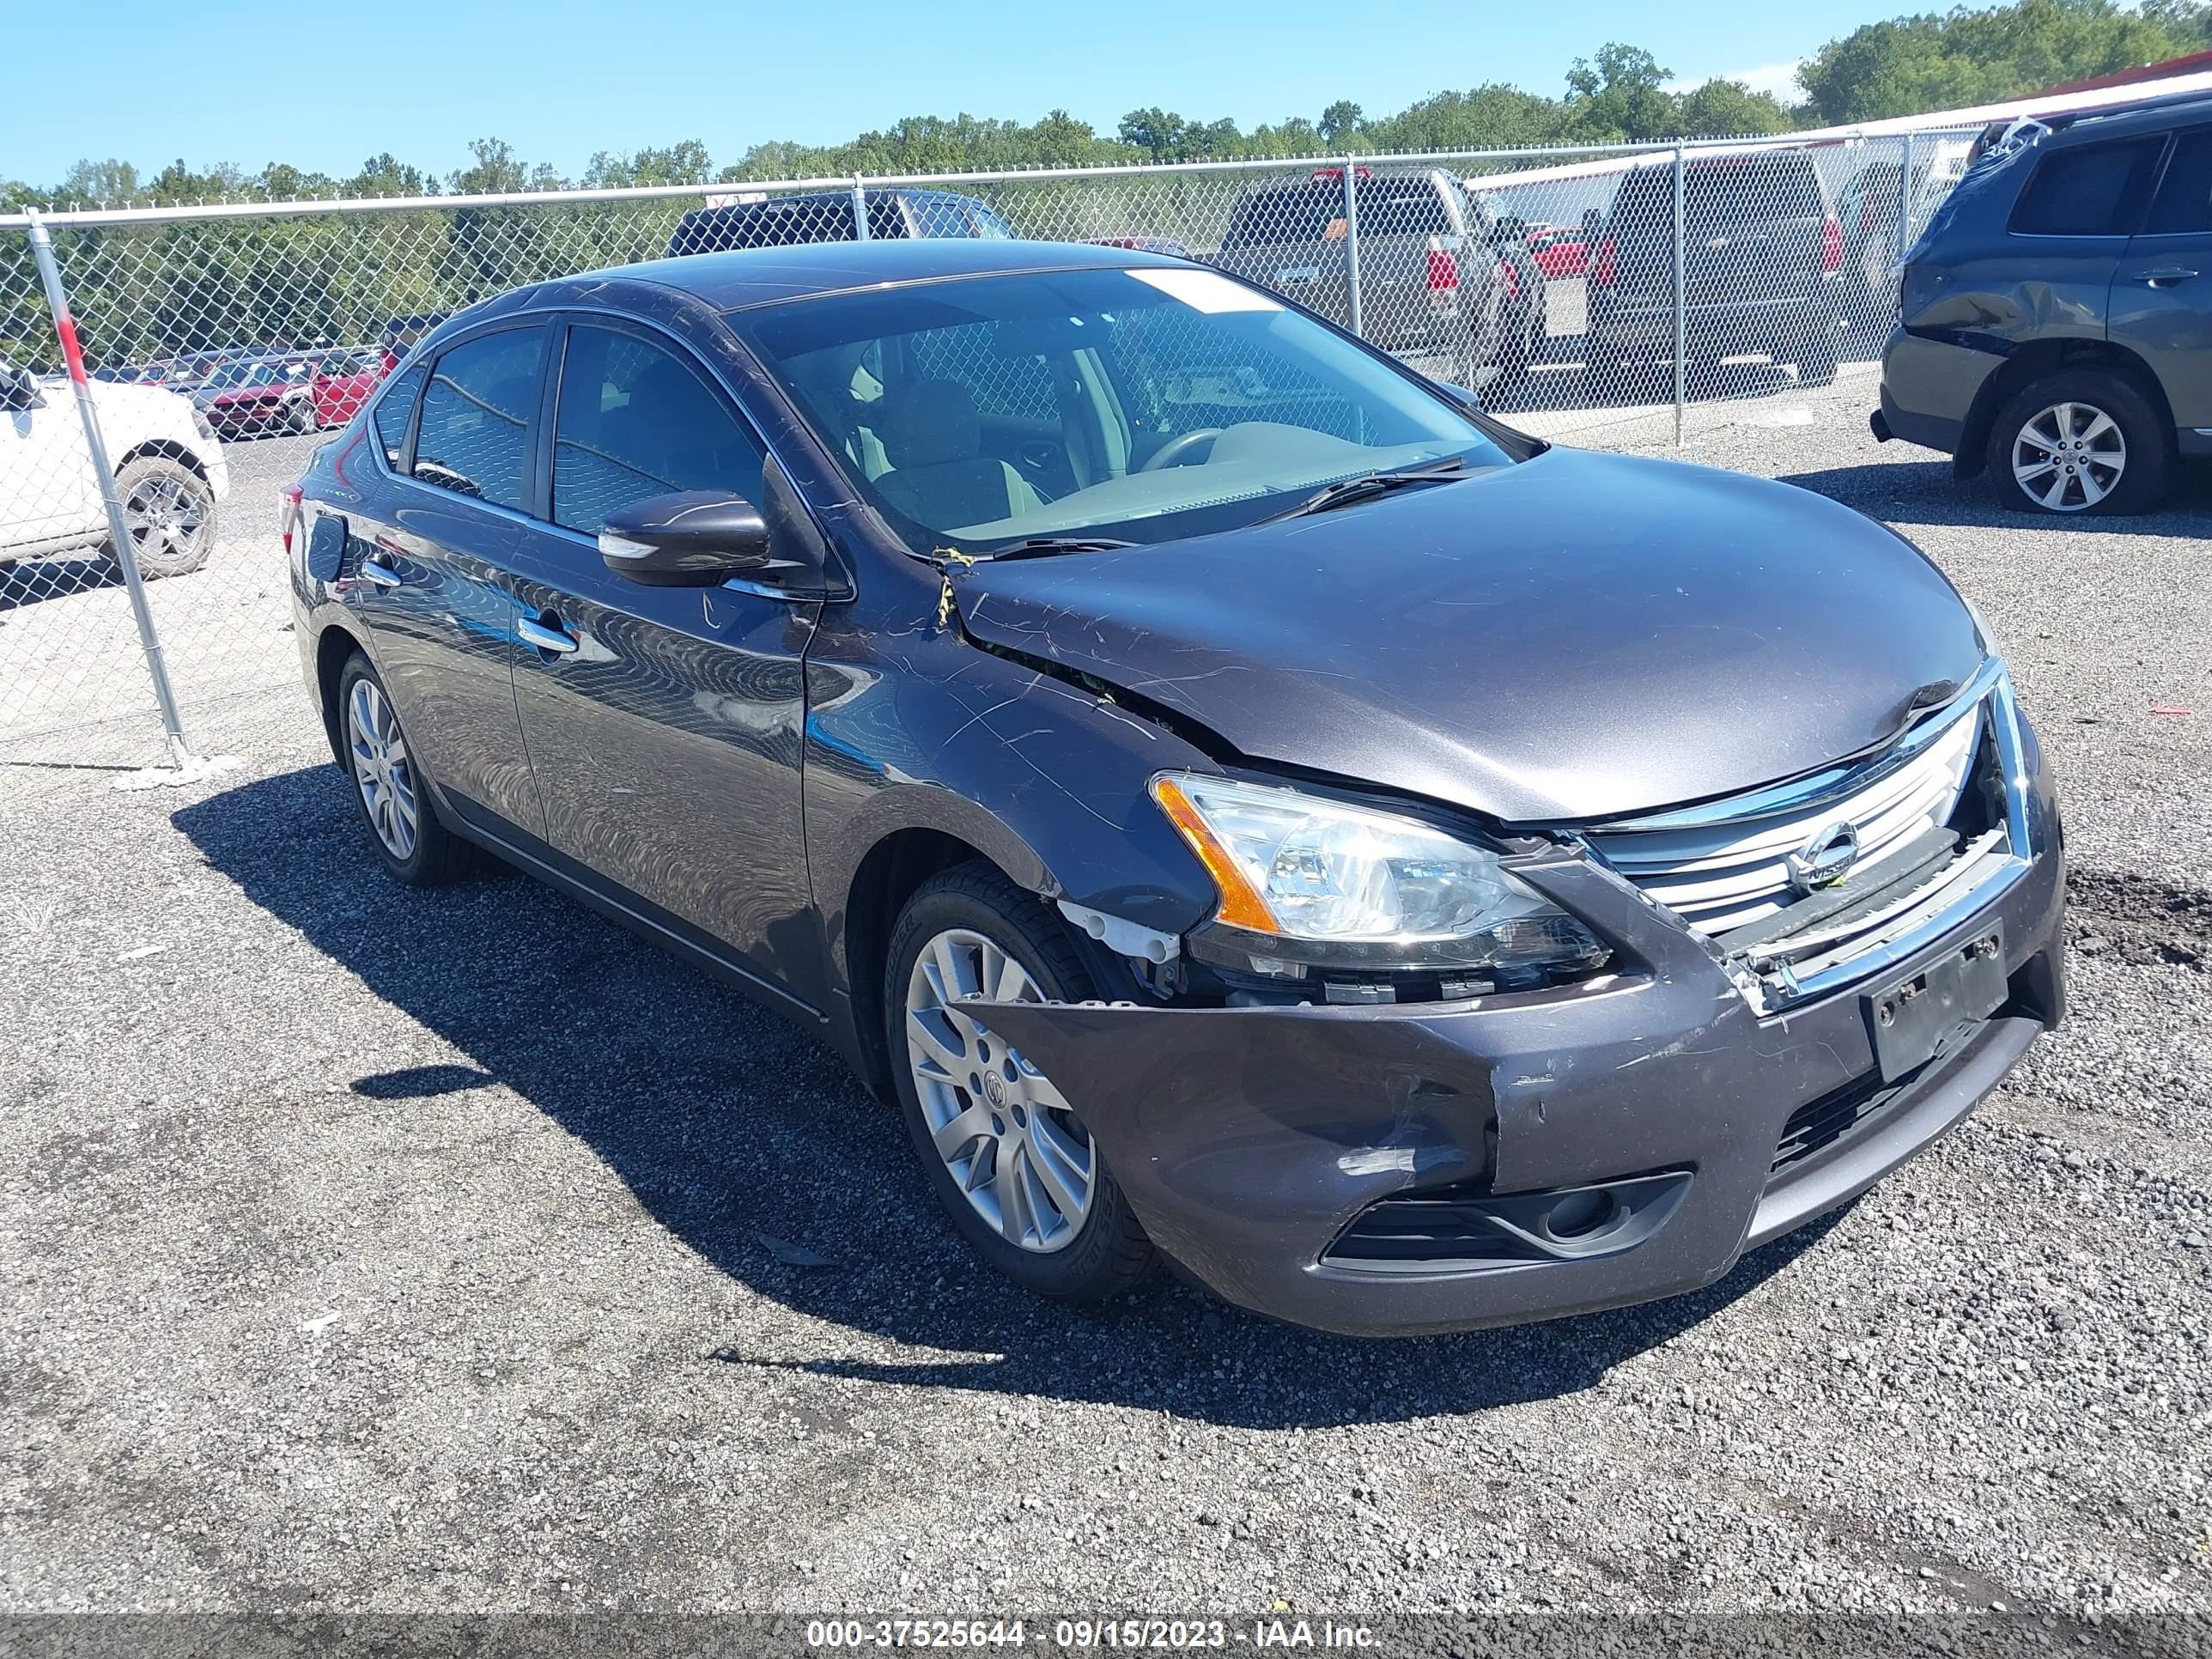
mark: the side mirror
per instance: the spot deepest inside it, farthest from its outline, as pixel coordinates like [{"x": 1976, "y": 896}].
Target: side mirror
[
  {"x": 698, "y": 538},
  {"x": 19, "y": 390},
  {"x": 1461, "y": 395}
]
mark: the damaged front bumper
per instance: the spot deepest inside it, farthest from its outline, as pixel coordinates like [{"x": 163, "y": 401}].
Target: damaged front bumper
[{"x": 1391, "y": 1170}]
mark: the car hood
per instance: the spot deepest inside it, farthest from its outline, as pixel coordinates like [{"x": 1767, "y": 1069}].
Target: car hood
[{"x": 1578, "y": 637}]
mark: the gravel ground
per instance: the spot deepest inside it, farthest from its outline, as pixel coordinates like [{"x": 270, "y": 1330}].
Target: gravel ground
[{"x": 370, "y": 1249}]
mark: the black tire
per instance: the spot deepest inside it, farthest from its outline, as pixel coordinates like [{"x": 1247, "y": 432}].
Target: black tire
[
  {"x": 1605, "y": 366},
  {"x": 1816, "y": 359},
  {"x": 1109, "y": 1253},
  {"x": 303, "y": 417},
  {"x": 1525, "y": 340},
  {"x": 148, "y": 485},
  {"x": 2147, "y": 436},
  {"x": 436, "y": 855}
]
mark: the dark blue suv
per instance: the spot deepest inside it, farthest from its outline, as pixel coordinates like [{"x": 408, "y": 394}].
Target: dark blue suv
[{"x": 2057, "y": 315}]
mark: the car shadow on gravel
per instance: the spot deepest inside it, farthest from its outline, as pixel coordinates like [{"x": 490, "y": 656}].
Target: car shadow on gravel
[
  {"x": 32, "y": 581},
  {"x": 754, "y": 1145},
  {"x": 1926, "y": 493}
]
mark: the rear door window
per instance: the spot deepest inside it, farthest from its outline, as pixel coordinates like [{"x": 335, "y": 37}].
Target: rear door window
[
  {"x": 474, "y": 435},
  {"x": 2092, "y": 189},
  {"x": 1750, "y": 192},
  {"x": 2184, "y": 195},
  {"x": 1293, "y": 213},
  {"x": 1401, "y": 206}
]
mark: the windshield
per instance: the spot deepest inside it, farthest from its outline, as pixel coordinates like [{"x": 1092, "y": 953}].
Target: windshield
[
  {"x": 233, "y": 375},
  {"x": 1141, "y": 405}
]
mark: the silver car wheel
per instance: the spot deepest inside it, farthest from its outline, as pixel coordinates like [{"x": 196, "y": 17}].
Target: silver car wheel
[
  {"x": 381, "y": 771},
  {"x": 1008, "y": 1136},
  {"x": 166, "y": 518},
  {"x": 2069, "y": 457}
]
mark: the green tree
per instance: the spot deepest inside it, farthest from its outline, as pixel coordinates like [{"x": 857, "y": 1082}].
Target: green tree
[
  {"x": 385, "y": 174},
  {"x": 1915, "y": 65},
  {"x": 1159, "y": 133},
  {"x": 99, "y": 181},
  {"x": 1492, "y": 117},
  {"x": 498, "y": 171},
  {"x": 1338, "y": 121},
  {"x": 1726, "y": 109},
  {"x": 1621, "y": 94},
  {"x": 2189, "y": 22}
]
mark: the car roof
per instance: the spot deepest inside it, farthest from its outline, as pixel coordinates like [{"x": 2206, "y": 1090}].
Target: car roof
[
  {"x": 764, "y": 275},
  {"x": 2124, "y": 120}
]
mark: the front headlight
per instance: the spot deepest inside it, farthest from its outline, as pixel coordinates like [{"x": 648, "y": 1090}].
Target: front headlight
[{"x": 1320, "y": 883}]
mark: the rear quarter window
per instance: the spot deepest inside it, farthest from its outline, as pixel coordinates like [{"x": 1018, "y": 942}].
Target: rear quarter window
[
  {"x": 2090, "y": 189},
  {"x": 393, "y": 411}
]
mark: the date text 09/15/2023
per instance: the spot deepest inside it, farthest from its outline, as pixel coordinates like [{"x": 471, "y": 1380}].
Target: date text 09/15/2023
[{"x": 1077, "y": 1635}]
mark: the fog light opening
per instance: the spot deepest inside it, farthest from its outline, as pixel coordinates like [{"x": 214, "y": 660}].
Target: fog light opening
[{"x": 1582, "y": 1216}]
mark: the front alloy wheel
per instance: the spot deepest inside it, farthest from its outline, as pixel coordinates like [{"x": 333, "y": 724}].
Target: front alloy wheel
[
  {"x": 2069, "y": 457},
  {"x": 1020, "y": 1174},
  {"x": 1008, "y": 1136}
]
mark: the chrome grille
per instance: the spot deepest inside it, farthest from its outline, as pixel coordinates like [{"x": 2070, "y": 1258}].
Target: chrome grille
[{"x": 1726, "y": 864}]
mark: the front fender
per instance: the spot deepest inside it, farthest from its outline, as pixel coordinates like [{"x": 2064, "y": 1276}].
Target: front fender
[{"x": 914, "y": 728}]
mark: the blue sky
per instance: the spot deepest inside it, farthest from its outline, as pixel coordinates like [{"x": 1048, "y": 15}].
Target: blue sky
[{"x": 324, "y": 86}]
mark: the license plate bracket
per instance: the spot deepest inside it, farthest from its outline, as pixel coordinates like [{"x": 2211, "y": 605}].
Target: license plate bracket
[{"x": 1920, "y": 1015}]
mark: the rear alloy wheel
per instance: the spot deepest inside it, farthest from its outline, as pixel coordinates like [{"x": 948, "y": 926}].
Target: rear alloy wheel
[
  {"x": 2080, "y": 442},
  {"x": 303, "y": 417},
  {"x": 1014, "y": 1166},
  {"x": 170, "y": 514},
  {"x": 411, "y": 843}
]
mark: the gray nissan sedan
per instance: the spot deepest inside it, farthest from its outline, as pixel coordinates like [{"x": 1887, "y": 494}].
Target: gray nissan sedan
[{"x": 1236, "y": 800}]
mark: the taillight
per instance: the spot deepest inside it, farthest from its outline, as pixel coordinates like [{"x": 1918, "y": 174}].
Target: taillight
[
  {"x": 1605, "y": 263},
  {"x": 1444, "y": 270},
  {"x": 293, "y": 497},
  {"x": 1832, "y": 247},
  {"x": 1511, "y": 278}
]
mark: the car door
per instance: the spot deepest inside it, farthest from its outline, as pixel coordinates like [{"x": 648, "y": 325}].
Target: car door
[
  {"x": 2065, "y": 240},
  {"x": 429, "y": 571},
  {"x": 47, "y": 490},
  {"x": 2162, "y": 291},
  {"x": 664, "y": 724}
]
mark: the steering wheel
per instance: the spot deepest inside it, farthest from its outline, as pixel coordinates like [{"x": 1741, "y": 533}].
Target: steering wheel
[{"x": 1171, "y": 453}]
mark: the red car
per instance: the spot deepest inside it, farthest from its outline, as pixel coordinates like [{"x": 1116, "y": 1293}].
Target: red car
[
  {"x": 343, "y": 381},
  {"x": 252, "y": 395},
  {"x": 1559, "y": 250}
]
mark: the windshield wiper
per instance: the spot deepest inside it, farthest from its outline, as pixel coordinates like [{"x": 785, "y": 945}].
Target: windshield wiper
[
  {"x": 1038, "y": 547},
  {"x": 1345, "y": 491}
]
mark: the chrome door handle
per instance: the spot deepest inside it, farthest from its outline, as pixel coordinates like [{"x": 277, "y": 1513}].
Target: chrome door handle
[
  {"x": 2165, "y": 275},
  {"x": 379, "y": 575},
  {"x": 557, "y": 641}
]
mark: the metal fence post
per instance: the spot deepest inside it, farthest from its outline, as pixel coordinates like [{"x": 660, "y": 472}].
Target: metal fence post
[
  {"x": 1352, "y": 244},
  {"x": 860, "y": 211},
  {"x": 1904, "y": 201},
  {"x": 1682, "y": 322},
  {"x": 42, "y": 249}
]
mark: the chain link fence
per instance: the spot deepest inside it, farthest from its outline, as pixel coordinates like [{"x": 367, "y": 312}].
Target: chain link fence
[{"x": 1579, "y": 294}]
